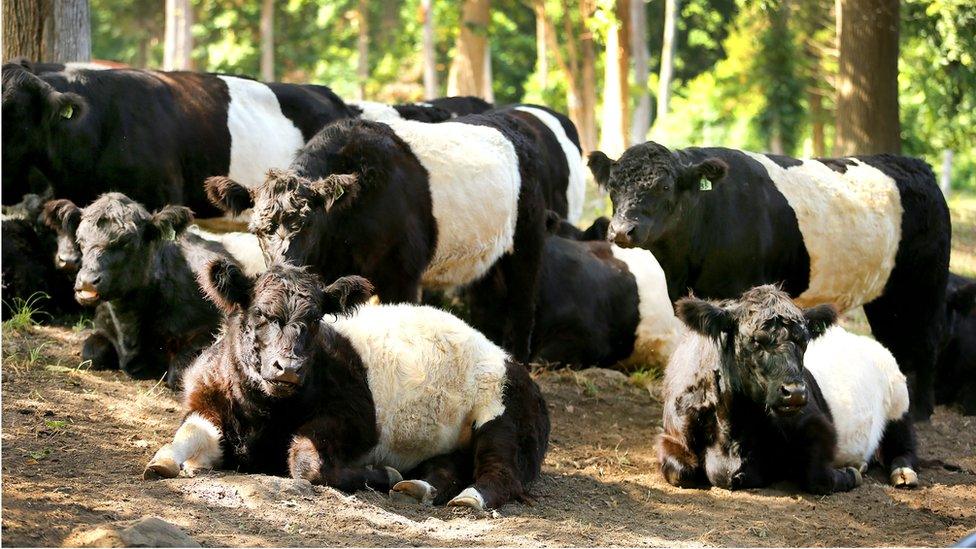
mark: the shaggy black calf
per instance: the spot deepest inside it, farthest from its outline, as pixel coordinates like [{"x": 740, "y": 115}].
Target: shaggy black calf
[
  {"x": 410, "y": 205},
  {"x": 956, "y": 370},
  {"x": 356, "y": 398},
  {"x": 748, "y": 402},
  {"x": 139, "y": 269}
]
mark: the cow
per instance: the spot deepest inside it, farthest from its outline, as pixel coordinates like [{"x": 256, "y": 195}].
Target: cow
[
  {"x": 460, "y": 105},
  {"x": 152, "y": 135},
  {"x": 307, "y": 382},
  {"x": 138, "y": 269},
  {"x": 956, "y": 369},
  {"x": 760, "y": 391},
  {"x": 410, "y": 205},
  {"x": 596, "y": 231},
  {"x": 866, "y": 230}
]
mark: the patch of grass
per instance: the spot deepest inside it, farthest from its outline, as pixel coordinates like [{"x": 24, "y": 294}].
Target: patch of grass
[
  {"x": 24, "y": 312},
  {"x": 34, "y": 353},
  {"x": 82, "y": 323},
  {"x": 645, "y": 377}
]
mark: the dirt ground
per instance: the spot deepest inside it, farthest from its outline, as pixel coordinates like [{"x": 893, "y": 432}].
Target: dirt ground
[{"x": 74, "y": 444}]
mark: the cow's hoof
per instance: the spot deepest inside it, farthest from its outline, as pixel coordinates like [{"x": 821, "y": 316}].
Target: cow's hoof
[
  {"x": 393, "y": 475},
  {"x": 469, "y": 497},
  {"x": 858, "y": 478},
  {"x": 414, "y": 491},
  {"x": 164, "y": 467},
  {"x": 863, "y": 468},
  {"x": 904, "y": 477}
]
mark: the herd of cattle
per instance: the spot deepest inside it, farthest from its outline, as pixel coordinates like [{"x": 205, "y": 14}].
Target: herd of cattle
[{"x": 727, "y": 266}]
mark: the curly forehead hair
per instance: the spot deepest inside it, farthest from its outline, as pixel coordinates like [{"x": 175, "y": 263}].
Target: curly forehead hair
[
  {"x": 111, "y": 216},
  {"x": 762, "y": 306},
  {"x": 638, "y": 163},
  {"x": 289, "y": 292},
  {"x": 283, "y": 190}
]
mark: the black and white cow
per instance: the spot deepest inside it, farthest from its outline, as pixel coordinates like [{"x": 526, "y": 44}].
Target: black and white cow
[
  {"x": 358, "y": 399},
  {"x": 761, "y": 391},
  {"x": 410, "y": 205},
  {"x": 140, "y": 269},
  {"x": 956, "y": 370},
  {"x": 152, "y": 135},
  {"x": 871, "y": 230}
]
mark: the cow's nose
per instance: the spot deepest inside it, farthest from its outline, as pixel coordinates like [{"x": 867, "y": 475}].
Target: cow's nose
[
  {"x": 85, "y": 281},
  {"x": 793, "y": 394},
  {"x": 288, "y": 369},
  {"x": 67, "y": 262},
  {"x": 622, "y": 234}
]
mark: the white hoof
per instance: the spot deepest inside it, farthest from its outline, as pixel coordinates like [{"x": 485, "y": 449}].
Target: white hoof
[
  {"x": 904, "y": 477},
  {"x": 469, "y": 497},
  {"x": 414, "y": 491},
  {"x": 858, "y": 479},
  {"x": 162, "y": 465},
  {"x": 393, "y": 475}
]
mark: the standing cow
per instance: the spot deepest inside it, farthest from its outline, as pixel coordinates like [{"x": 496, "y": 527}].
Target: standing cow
[{"x": 871, "y": 230}]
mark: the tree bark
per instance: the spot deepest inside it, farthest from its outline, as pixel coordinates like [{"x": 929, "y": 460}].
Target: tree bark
[
  {"x": 945, "y": 174},
  {"x": 468, "y": 72},
  {"x": 67, "y": 31},
  {"x": 362, "y": 48},
  {"x": 671, "y": 8},
  {"x": 867, "y": 85},
  {"x": 430, "y": 55},
  {"x": 817, "y": 123},
  {"x": 641, "y": 120},
  {"x": 23, "y": 29},
  {"x": 178, "y": 45},
  {"x": 267, "y": 41},
  {"x": 616, "y": 85},
  {"x": 541, "y": 46},
  {"x": 588, "y": 137}
]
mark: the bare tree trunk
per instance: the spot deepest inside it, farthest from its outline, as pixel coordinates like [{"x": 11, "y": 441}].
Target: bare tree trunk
[
  {"x": 430, "y": 55},
  {"x": 267, "y": 41},
  {"x": 67, "y": 31},
  {"x": 178, "y": 47},
  {"x": 588, "y": 137},
  {"x": 541, "y": 47},
  {"x": 23, "y": 29},
  {"x": 817, "y": 116},
  {"x": 641, "y": 120},
  {"x": 362, "y": 48},
  {"x": 667, "y": 59},
  {"x": 616, "y": 86},
  {"x": 467, "y": 74},
  {"x": 945, "y": 175},
  {"x": 867, "y": 84},
  {"x": 488, "y": 92}
]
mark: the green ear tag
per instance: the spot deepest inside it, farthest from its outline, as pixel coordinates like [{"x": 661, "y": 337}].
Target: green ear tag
[
  {"x": 169, "y": 233},
  {"x": 337, "y": 192},
  {"x": 704, "y": 185},
  {"x": 67, "y": 111}
]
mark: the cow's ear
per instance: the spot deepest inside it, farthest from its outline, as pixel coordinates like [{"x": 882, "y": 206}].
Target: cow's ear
[
  {"x": 963, "y": 299},
  {"x": 346, "y": 294},
  {"x": 705, "y": 318},
  {"x": 553, "y": 222},
  {"x": 337, "y": 190},
  {"x": 60, "y": 213},
  {"x": 169, "y": 222},
  {"x": 819, "y": 318},
  {"x": 600, "y": 165},
  {"x": 226, "y": 285},
  {"x": 66, "y": 108},
  {"x": 228, "y": 195},
  {"x": 700, "y": 176}
]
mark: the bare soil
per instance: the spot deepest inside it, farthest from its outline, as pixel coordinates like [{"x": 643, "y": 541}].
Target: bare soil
[{"x": 74, "y": 444}]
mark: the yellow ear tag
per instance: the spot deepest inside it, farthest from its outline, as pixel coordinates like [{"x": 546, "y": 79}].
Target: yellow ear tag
[
  {"x": 705, "y": 185},
  {"x": 169, "y": 233},
  {"x": 67, "y": 111}
]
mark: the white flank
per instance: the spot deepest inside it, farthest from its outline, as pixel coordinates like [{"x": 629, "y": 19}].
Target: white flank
[
  {"x": 658, "y": 329},
  {"x": 196, "y": 443},
  {"x": 261, "y": 136},
  {"x": 242, "y": 246},
  {"x": 474, "y": 186},
  {"x": 851, "y": 226},
  {"x": 377, "y": 112},
  {"x": 576, "y": 187},
  {"x": 863, "y": 387},
  {"x": 433, "y": 379}
]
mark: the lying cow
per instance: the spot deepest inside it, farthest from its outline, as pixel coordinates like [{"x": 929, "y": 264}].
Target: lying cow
[
  {"x": 139, "y": 269},
  {"x": 763, "y": 391},
  {"x": 410, "y": 205},
  {"x": 355, "y": 400},
  {"x": 152, "y": 135},
  {"x": 871, "y": 230},
  {"x": 956, "y": 370}
]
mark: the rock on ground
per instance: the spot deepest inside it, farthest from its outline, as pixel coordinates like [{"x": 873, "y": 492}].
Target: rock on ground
[{"x": 147, "y": 532}]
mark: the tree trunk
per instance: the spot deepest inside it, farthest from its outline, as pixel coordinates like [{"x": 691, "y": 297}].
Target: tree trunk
[
  {"x": 616, "y": 87},
  {"x": 430, "y": 55},
  {"x": 945, "y": 175},
  {"x": 267, "y": 41},
  {"x": 178, "y": 46},
  {"x": 667, "y": 59},
  {"x": 817, "y": 123},
  {"x": 641, "y": 120},
  {"x": 488, "y": 92},
  {"x": 468, "y": 72},
  {"x": 362, "y": 48},
  {"x": 23, "y": 29},
  {"x": 588, "y": 136},
  {"x": 541, "y": 45},
  {"x": 867, "y": 84},
  {"x": 67, "y": 32}
]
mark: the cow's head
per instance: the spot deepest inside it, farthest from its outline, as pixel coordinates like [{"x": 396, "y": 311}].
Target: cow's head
[
  {"x": 273, "y": 320},
  {"x": 34, "y": 114},
  {"x": 119, "y": 240},
  {"x": 649, "y": 189},
  {"x": 63, "y": 217},
  {"x": 290, "y": 211},
  {"x": 763, "y": 336}
]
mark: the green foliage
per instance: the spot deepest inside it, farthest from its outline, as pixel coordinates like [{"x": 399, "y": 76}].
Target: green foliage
[{"x": 24, "y": 312}]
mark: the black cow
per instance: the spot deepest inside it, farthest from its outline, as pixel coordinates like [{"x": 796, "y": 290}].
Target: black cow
[
  {"x": 956, "y": 370},
  {"x": 140, "y": 270},
  {"x": 410, "y": 205},
  {"x": 461, "y": 105},
  {"x": 596, "y": 231},
  {"x": 353, "y": 401},
  {"x": 871, "y": 230},
  {"x": 762, "y": 391},
  {"x": 152, "y": 135}
]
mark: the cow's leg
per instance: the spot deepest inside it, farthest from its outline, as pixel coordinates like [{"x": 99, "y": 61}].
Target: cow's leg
[
  {"x": 195, "y": 446},
  {"x": 898, "y": 452},
  {"x": 815, "y": 445},
  {"x": 99, "y": 352},
  {"x": 679, "y": 465},
  {"x": 520, "y": 271},
  {"x": 311, "y": 460},
  {"x": 436, "y": 480},
  {"x": 750, "y": 475}
]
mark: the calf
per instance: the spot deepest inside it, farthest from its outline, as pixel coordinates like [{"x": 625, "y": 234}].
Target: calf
[
  {"x": 596, "y": 231},
  {"x": 956, "y": 370},
  {"x": 355, "y": 400},
  {"x": 139, "y": 269},
  {"x": 407, "y": 205},
  {"x": 748, "y": 402},
  {"x": 867, "y": 230}
]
